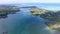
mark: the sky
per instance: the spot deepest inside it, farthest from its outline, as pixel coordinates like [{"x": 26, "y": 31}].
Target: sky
[{"x": 28, "y": 1}]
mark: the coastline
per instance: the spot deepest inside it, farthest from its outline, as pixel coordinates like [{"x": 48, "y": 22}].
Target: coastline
[{"x": 56, "y": 32}]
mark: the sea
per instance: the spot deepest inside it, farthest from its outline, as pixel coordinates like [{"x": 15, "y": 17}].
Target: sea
[{"x": 23, "y": 23}]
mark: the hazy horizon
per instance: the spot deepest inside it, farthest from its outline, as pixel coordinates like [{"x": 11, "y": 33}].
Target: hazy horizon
[{"x": 27, "y": 1}]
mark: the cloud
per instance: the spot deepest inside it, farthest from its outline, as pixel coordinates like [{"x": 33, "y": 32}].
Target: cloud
[
  {"x": 39, "y": 1},
  {"x": 8, "y": 1},
  {"x": 28, "y": 1}
]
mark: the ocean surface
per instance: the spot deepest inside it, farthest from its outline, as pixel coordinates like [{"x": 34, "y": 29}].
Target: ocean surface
[{"x": 23, "y": 23}]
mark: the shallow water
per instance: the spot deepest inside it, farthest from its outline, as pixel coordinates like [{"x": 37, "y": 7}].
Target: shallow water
[{"x": 23, "y": 23}]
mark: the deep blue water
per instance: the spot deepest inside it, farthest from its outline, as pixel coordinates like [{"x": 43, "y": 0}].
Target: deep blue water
[{"x": 22, "y": 21}]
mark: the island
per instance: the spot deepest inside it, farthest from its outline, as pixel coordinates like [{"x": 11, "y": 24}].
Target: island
[
  {"x": 53, "y": 17},
  {"x": 6, "y": 9}
]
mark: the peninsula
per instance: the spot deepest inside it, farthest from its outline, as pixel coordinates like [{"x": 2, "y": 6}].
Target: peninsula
[
  {"x": 6, "y": 9},
  {"x": 53, "y": 17}
]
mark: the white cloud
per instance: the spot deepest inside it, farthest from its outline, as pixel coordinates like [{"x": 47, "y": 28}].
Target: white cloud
[
  {"x": 8, "y": 1},
  {"x": 28, "y": 1},
  {"x": 41, "y": 1}
]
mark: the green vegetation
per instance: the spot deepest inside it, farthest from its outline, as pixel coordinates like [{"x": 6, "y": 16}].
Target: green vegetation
[
  {"x": 51, "y": 15},
  {"x": 5, "y": 10},
  {"x": 38, "y": 11}
]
